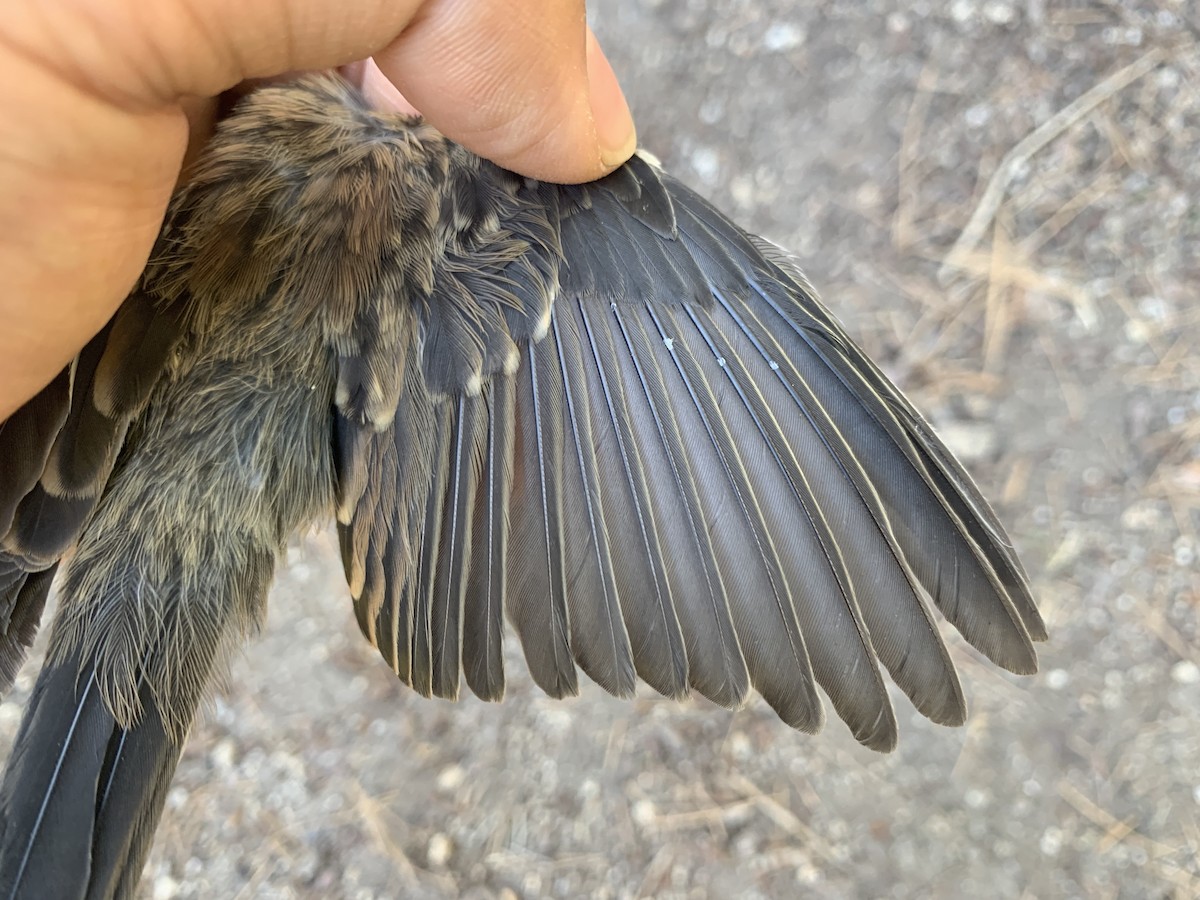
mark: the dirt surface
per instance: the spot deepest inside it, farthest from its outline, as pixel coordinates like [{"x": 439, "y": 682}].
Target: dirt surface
[{"x": 999, "y": 199}]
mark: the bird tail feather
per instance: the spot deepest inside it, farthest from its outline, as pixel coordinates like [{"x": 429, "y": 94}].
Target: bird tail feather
[
  {"x": 82, "y": 795},
  {"x": 103, "y": 731}
]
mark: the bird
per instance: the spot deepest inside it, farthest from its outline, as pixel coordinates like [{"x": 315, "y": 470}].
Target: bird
[{"x": 601, "y": 413}]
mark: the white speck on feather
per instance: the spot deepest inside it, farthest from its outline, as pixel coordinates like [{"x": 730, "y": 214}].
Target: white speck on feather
[
  {"x": 512, "y": 362},
  {"x": 543, "y": 325},
  {"x": 669, "y": 343}
]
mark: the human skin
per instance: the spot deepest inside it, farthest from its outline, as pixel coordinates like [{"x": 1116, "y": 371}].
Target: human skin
[{"x": 104, "y": 100}]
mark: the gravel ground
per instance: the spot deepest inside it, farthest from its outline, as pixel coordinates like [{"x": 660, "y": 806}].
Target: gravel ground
[{"x": 999, "y": 200}]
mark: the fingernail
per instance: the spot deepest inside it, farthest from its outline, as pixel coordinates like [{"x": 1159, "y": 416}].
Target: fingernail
[
  {"x": 379, "y": 90},
  {"x": 614, "y": 124}
]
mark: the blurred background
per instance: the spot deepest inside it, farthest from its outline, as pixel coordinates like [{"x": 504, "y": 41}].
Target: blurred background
[{"x": 999, "y": 199}]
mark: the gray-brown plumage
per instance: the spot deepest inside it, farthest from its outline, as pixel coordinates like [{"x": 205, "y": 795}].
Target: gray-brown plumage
[{"x": 602, "y": 412}]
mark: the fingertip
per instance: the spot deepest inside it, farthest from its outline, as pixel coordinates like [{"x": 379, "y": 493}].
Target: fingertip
[
  {"x": 525, "y": 86},
  {"x": 616, "y": 134}
]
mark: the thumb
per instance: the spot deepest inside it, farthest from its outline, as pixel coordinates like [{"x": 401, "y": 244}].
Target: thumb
[{"x": 523, "y": 84}]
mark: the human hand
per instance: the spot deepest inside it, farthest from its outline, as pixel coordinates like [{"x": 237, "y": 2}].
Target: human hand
[{"x": 103, "y": 98}]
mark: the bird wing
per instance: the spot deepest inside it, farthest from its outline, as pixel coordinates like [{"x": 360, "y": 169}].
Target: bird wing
[
  {"x": 633, "y": 430},
  {"x": 57, "y": 453}
]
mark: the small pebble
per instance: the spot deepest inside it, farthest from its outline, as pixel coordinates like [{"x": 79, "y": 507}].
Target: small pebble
[
  {"x": 1185, "y": 672},
  {"x": 437, "y": 854}
]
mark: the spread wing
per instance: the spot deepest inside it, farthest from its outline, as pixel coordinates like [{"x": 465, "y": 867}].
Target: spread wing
[{"x": 632, "y": 430}]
